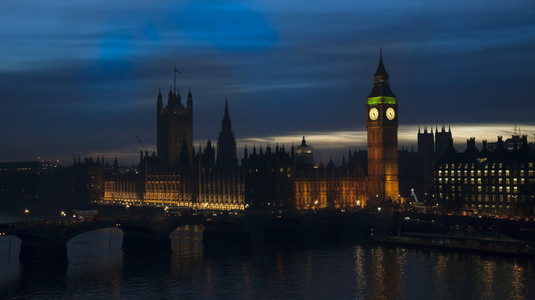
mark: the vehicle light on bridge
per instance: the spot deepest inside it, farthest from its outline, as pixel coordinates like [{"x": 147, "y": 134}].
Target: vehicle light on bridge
[
  {"x": 118, "y": 225},
  {"x": 208, "y": 220}
]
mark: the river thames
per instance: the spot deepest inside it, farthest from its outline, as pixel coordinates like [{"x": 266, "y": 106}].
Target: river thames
[{"x": 98, "y": 269}]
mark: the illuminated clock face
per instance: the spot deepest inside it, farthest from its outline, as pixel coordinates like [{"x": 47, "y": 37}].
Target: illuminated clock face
[
  {"x": 374, "y": 113},
  {"x": 390, "y": 113}
]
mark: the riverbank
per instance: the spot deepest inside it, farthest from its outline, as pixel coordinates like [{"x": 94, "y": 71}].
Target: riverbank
[{"x": 483, "y": 244}]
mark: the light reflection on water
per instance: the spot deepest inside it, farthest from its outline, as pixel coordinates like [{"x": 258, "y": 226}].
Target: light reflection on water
[{"x": 98, "y": 270}]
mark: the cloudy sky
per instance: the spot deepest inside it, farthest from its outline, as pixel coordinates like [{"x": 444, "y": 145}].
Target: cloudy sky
[{"x": 81, "y": 79}]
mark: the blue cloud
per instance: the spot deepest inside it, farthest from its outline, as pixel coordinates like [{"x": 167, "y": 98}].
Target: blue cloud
[{"x": 227, "y": 25}]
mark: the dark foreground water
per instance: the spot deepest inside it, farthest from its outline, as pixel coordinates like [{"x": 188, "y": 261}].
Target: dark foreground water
[{"x": 98, "y": 270}]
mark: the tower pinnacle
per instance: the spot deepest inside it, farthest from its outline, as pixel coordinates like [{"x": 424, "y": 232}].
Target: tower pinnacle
[{"x": 381, "y": 85}]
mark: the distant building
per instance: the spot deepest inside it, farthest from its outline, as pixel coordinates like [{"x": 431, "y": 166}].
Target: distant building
[
  {"x": 431, "y": 147},
  {"x": 427, "y": 159},
  {"x": 304, "y": 154},
  {"x": 443, "y": 142},
  {"x": 331, "y": 187},
  {"x": 410, "y": 174},
  {"x": 25, "y": 182},
  {"x": 47, "y": 185},
  {"x": 175, "y": 130},
  {"x": 226, "y": 144},
  {"x": 509, "y": 144},
  {"x": 501, "y": 182}
]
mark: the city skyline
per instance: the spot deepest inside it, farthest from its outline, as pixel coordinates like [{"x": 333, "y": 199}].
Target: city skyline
[{"x": 80, "y": 86}]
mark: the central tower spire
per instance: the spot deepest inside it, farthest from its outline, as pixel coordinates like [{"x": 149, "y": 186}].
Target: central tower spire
[
  {"x": 381, "y": 86},
  {"x": 226, "y": 144}
]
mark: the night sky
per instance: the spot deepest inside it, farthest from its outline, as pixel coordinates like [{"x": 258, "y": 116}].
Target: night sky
[{"x": 82, "y": 79}]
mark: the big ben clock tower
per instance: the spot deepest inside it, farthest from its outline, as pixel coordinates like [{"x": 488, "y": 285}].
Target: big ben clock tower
[{"x": 382, "y": 125}]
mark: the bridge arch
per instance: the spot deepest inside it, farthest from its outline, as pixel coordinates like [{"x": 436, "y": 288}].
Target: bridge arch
[
  {"x": 85, "y": 234},
  {"x": 279, "y": 220}
]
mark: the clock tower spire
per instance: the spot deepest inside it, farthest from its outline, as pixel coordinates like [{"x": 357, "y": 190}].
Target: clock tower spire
[{"x": 382, "y": 129}]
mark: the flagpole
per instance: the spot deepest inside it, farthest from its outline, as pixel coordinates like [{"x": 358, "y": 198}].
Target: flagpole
[{"x": 174, "y": 74}]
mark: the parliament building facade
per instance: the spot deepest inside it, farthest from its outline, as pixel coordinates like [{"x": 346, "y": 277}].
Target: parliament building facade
[{"x": 270, "y": 178}]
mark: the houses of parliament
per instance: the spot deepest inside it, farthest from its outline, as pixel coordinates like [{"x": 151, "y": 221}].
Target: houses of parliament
[{"x": 270, "y": 178}]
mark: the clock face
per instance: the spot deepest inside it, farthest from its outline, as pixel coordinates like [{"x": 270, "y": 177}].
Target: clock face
[
  {"x": 374, "y": 113},
  {"x": 390, "y": 113}
]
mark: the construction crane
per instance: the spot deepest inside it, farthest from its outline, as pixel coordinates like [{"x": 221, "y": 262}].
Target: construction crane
[{"x": 141, "y": 144}]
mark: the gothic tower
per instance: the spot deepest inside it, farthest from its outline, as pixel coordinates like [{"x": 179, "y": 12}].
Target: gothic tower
[
  {"x": 174, "y": 129},
  {"x": 426, "y": 154},
  {"x": 226, "y": 144},
  {"x": 382, "y": 125},
  {"x": 443, "y": 142}
]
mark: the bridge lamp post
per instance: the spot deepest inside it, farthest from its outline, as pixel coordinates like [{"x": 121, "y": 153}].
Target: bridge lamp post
[
  {"x": 26, "y": 213},
  {"x": 63, "y": 215}
]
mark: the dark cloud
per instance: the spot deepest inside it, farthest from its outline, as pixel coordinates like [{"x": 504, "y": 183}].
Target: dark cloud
[{"x": 83, "y": 79}]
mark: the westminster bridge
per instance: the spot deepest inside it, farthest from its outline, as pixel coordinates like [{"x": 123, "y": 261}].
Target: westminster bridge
[{"x": 47, "y": 241}]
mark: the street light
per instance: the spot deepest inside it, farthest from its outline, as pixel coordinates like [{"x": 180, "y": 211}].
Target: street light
[{"x": 26, "y": 212}]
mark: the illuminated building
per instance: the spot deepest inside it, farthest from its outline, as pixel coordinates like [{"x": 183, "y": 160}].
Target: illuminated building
[
  {"x": 382, "y": 125},
  {"x": 207, "y": 189},
  {"x": 496, "y": 183},
  {"x": 272, "y": 180},
  {"x": 330, "y": 188},
  {"x": 198, "y": 183}
]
